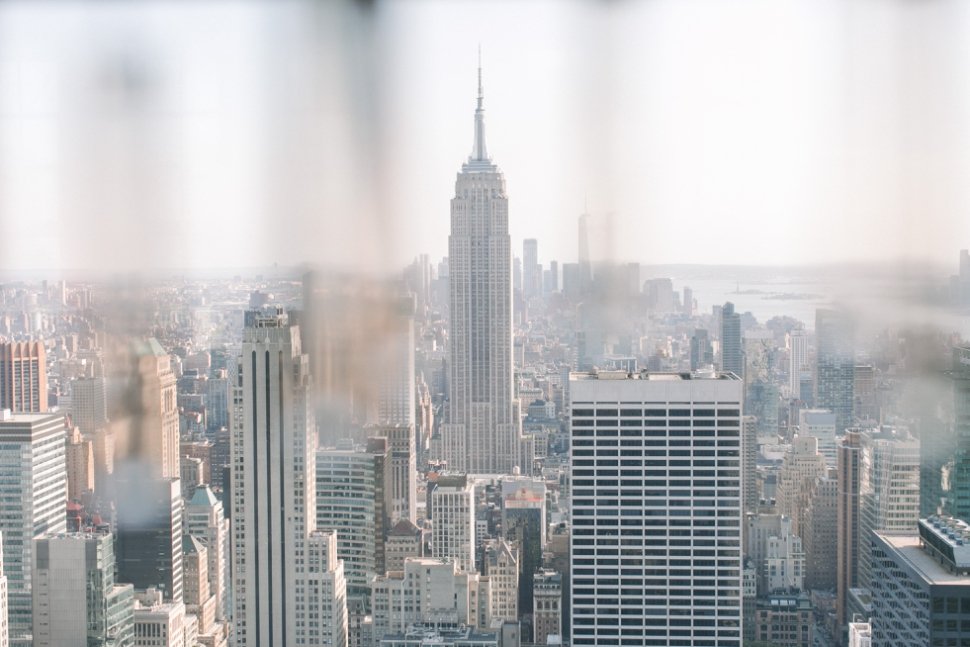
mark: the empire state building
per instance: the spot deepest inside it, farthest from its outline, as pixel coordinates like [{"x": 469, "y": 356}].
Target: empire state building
[{"x": 482, "y": 433}]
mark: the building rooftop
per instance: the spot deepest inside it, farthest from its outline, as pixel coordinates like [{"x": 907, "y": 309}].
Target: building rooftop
[
  {"x": 148, "y": 347},
  {"x": 453, "y": 480},
  {"x": 910, "y": 549},
  {"x": 444, "y": 635},
  {"x": 20, "y": 418},
  {"x": 785, "y": 602},
  {"x": 191, "y": 545},
  {"x": 652, "y": 376},
  {"x": 203, "y": 496},
  {"x": 947, "y": 539},
  {"x": 404, "y": 528}
]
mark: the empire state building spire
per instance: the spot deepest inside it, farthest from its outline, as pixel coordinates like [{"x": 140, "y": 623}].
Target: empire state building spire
[
  {"x": 479, "y": 152},
  {"x": 482, "y": 433}
]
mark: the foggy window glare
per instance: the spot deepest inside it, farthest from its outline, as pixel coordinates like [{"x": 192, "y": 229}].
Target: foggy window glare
[{"x": 372, "y": 324}]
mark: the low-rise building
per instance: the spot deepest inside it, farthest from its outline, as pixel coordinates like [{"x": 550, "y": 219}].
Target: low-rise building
[{"x": 785, "y": 620}]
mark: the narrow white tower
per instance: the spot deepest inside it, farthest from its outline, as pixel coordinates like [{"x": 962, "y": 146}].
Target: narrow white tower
[{"x": 273, "y": 485}]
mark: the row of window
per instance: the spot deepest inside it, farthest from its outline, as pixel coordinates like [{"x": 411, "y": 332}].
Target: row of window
[{"x": 627, "y": 412}]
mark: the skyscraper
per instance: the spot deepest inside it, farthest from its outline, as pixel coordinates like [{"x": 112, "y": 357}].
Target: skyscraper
[
  {"x": 23, "y": 377},
  {"x": 820, "y": 536},
  {"x": 326, "y": 591},
  {"x": 402, "y": 486},
  {"x": 922, "y": 594},
  {"x": 834, "y": 365},
  {"x": 199, "y": 599},
  {"x": 351, "y": 499},
  {"x": 531, "y": 270},
  {"x": 701, "y": 352},
  {"x": 4, "y": 630},
  {"x": 749, "y": 464},
  {"x": 657, "y": 498},
  {"x": 80, "y": 465},
  {"x": 958, "y": 500},
  {"x": 524, "y": 525},
  {"x": 732, "y": 359},
  {"x": 396, "y": 393},
  {"x": 273, "y": 484},
  {"x": 888, "y": 491},
  {"x": 34, "y": 477},
  {"x": 797, "y": 360},
  {"x": 77, "y": 601},
  {"x": 89, "y": 408},
  {"x": 585, "y": 270},
  {"x": 149, "y": 533},
  {"x": 204, "y": 519},
  {"x": 453, "y": 521},
  {"x": 847, "y": 575},
  {"x": 153, "y": 429},
  {"x": 482, "y": 431}
]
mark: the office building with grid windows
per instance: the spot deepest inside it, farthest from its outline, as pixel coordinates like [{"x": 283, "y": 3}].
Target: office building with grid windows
[{"x": 656, "y": 509}]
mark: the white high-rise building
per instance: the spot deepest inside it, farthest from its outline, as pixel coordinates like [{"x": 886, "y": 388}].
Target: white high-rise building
[
  {"x": 820, "y": 423},
  {"x": 797, "y": 360},
  {"x": 76, "y": 600},
  {"x": 396, "y": 398},
  {"x": 453, "y": 521},
  {"x": 531, "y": 270},
  {"x": 204, "y": 519},
  {"x": 482, "y": 432},
  {"x": 33, "y": 474},
  {"x": 326, "y": 592},
  {"x": 889, "y": 476},
  {"x": 656, "y": 508},
  {"x": 273, "y": 484}
]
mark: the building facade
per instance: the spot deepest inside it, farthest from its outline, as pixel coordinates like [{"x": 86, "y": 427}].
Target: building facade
[
  {"x": 23, "y": 377},
  {"x": 656, "y": 509},
  {"x": 847, "y": 549},
  {"x": 148, "y": 545},
  {"x": 326, "y": 592},
  {"x": 351, "y": 499},
  {"x": 888, "y": 491},
  {"x": 732, "y": 356},
  {"x": 481, "y": 434},
  {"x": 273, "y": 484},
  {"x": 453, "y": 521},
  {"x": 204, "y": 519},
  {"x": 546, "y": 606},
  {"x": 834, "y": 365},
  {"x": 34, "y": 475},
  {"x": 76, "y": 600},
  {"x": 922, "y": 594}
]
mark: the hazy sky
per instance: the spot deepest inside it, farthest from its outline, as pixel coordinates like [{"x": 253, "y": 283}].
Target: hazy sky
[{"x": 156, "y": 135}]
